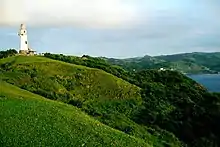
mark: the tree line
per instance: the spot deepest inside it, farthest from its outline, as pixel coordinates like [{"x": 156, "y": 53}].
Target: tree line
[{"x": 7, "y": 53}]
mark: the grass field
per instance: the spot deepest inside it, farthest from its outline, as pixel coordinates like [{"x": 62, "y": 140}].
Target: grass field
[{"x": 27, "y": 119}]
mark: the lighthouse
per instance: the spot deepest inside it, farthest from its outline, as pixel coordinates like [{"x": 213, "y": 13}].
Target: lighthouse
[{"x": 24, "y": 47}]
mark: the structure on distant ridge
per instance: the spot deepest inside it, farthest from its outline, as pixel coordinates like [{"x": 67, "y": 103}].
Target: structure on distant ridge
[{"x": 24, "y": 47}]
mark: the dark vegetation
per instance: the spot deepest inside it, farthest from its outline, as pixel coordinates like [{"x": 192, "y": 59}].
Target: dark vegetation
[
  {"x": 146, "y": 104},
  {"x": 7, "y": 53},
  {"x": 181, "y": 106}
]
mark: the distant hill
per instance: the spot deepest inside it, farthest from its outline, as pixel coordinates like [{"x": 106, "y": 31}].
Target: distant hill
[
  {"x": 191, "y": 63},
  {"x": 208, "y": 60}
]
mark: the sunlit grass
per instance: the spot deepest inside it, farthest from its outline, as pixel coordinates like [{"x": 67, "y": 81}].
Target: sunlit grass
[{"x": 27, "y": 119}]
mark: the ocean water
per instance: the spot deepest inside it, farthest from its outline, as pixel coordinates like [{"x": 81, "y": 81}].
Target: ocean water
[{"x": 210, "y": 81}]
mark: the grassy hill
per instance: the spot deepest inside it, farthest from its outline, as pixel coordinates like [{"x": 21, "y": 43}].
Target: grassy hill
[
  {"x": 28, "y": 119},
  {"x": 103, "y": 96},
  {"x": 170, "y": 101},
  {"x": 45, "y": 76},
  {"x": 150, "y": 105},
  {"x": 193, "y": 63}
]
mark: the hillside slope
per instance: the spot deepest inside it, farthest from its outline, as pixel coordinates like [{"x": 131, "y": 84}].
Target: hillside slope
[
  {"x": 45, "y": 76},
  {"x": 103, "y": 96},
  {"x": 30, "y": 120},
  {"x": 170, "y": 100}
]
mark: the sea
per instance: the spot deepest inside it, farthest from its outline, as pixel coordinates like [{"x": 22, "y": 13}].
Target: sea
[{"x": 210, "y": 81}]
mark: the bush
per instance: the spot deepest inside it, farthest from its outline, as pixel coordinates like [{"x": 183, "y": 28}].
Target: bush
[{"x": 7, "y": 53}]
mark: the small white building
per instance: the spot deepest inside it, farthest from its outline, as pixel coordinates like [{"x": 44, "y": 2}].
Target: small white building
[
  {"x": 162, "y": 69},
  {"x": 24, "y": 47}
]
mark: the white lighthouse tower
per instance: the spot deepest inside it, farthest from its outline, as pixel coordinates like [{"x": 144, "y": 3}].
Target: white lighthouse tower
[{"x": 24, "y": 47}]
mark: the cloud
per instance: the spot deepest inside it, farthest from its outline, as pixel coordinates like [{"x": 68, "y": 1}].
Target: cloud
[
  {"x": 88, "y": 13},
  {"x": 156, "y": 27}
]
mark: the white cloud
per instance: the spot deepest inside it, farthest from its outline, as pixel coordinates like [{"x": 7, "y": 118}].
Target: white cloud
[{"x": 89, "y": 13}]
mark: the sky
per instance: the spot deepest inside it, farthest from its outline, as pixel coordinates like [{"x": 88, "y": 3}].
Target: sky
[{"x": 113, "y": 28}]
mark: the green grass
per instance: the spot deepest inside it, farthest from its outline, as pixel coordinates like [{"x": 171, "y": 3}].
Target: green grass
[
  {"x": 30, "y": 120},
  {"x": 81, "y": 81},
  {"x": 24, "y": 59}
]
